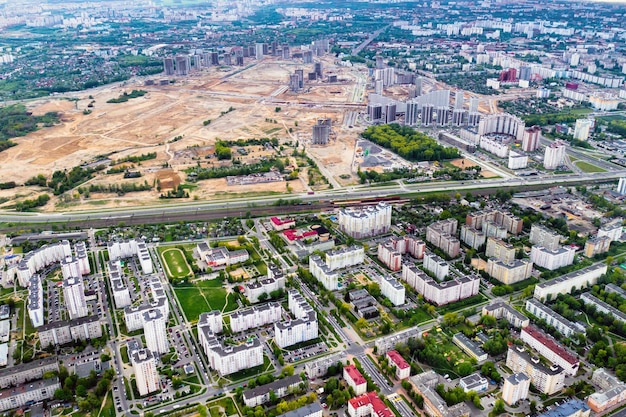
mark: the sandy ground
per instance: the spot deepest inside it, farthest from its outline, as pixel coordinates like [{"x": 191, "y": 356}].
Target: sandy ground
[
  {"x": 152, "y": 122},
  {"x": 465, "y": 163}
]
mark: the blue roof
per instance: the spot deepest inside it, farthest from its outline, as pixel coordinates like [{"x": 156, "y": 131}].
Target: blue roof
[{"x": 566, "y": 409}]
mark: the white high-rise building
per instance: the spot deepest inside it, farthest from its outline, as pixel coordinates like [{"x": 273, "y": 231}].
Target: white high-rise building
[
  {"x": 550, "y": 349},
  {"x": 515, "y": 388},
  {"x": 146, "y": 375},
  {"x": 436, "y": 265},
  {"x": 440, "y": 293},
  {"x": 302, "y": 328},
  {"x": 129, "y": 248},
  {"x": 392, "y": 289},
  {"x": 326, "y": 272},
  {"x": 574, "y": 280},
  {"x": 74, "y": 294},
  {"x": 212, "y": 320},
  {"x": 582, "y": 128},
  {"x": 552, "y": 259},
  {"x": 554, "y": 155},
  {"x": 621, "y": 186},
  {"x": 35, "y": 301},
  {"x": 257, "y": 316},
  {"x": 121, "y": 294},
  {"x": 366, "y": 222},
  {"x": 155, "y": 330},
  {"x": 542, "y": 236}
]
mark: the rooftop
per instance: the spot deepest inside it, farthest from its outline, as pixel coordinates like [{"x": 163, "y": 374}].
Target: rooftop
[
  {"x": 371, "y": 398},
  {"x": 566, "y": 409},
  {"x": 354, "y": 374},
  {"x": 305, "y": 411},
  {"x": 550, "y": 343},
  {"x": 398, "y": 359},
  {"x": 272, "y": 386}
]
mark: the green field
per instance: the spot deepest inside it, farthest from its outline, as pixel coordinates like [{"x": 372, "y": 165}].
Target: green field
[
  {"x": 203, "y": 296},
  {"x": 224, "y": 406},
  {"x": 109, "y": 409},
  {"x": 610, "y": 118},
  {"x": 176, "y": 266},
  {"x": 588, "y": 168}
]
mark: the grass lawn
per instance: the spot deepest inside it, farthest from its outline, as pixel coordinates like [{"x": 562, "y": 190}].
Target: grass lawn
[
  {"x": 176, "y": 265},
  {"x": 587, "y": 167},
  {"x": 192, "y": 301},
  {"x": 109, "y": 408},
  {"x": 225, "y": 405},
  {"x": 612, "y": 117},
  {"x": 204, "y": 296}
]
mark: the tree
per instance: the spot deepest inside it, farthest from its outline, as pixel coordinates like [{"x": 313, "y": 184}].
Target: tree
[
  {"x": 498, "y": 408},
  {"x": 465, "y": 368},
  {"x": 263, "y": 296}
]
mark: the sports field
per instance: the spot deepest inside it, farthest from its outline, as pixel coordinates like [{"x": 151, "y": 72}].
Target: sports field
[
  {"x": 174, "y": 262},
  {"x": 204, "y": 296}
]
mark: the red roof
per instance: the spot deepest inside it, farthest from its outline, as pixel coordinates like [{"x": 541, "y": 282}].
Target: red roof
[
  {"x": 292, "y": 234},
  {"x": 378, "y": 407},
  {"x": 355, "y": 375},
  {"x": 550, "y": 344},
  {"x": 397, "y": 359},
  {"x": 279, "y": 222}
]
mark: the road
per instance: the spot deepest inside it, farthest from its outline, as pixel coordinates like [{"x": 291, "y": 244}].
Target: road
[
  {"x": 260, "y": 205},
  {"x": 369, "y": 40}
]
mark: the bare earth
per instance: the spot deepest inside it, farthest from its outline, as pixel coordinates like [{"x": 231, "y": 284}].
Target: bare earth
[
  {"x": 150, "y": 123},
  {"x": 465, "y": 163}
]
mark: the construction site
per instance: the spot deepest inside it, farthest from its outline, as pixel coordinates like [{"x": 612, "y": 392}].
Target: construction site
[{"x": 181, "y": 119}]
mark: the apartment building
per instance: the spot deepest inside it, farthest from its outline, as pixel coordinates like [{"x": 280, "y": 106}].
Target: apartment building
[
  {"x": 301, "y": 328},
  {"x": 326, "y": 272},
  {"x": 435, "y": 264},
  {"x": 509, "y": 273},
  {"x": 552, "y": 259},
  {"x": 280, "y": 388},
  {"x": 361, "y": 223},
  {"x": 603, "y": 307},
  {"x": 319, "y": 367},
  {"x": 386, "y": 343},
  {"x": 549, "y": 348},
  {"x": 597, "y": 245},
  {"x": 35, "y": 301},
  {"x": 435, "y": 406},
  {"x": 548, "y": 380},
  {"x": 146, "y": 375},
  {"x": 471, "y": 348},
  {"x": 155, "y": 331},
  {"x": 29, "y": 371},
  {"x": 442, "y": 235},
  {"x": 389, "y": 255},
  {"x": 354, "y": 379},
  {"x": 515, "y": 388},
  {"x": 345, "y": 257},
  {"x": 121, "y": 294},
  {"x": 390, "y": 251},
  {"x": 257, "y": 316},
  {"x": 253, "y": 290},
  {"x": 544, "y": 237},
  {"x": 613, "y": 231},
  {"x": 27, "y": 394},
  {"x": 500, "y": 309},
  {"x": 560, "y": 323},
  {"x": 401, "y": 366},
  {"x": 63, "y": 332},
  {"x": 564, "y": 284},
  {"x": 368, "y": 405},
  {"x": 130, "y": 248},
  {"x": 212, "y": 320},
  {"x": 393, "y": 290},
  {"x": 612, "y": 392},
  {"x": 134, "y": 318},
  {"x": 38, "y": 259},
  {"x": 509, "y": 222},
  {"x": 74, "y": 296},
  {"x": 440, "y": 293},
  {"x": 227, "y": 359},
  {"x": 472, "y": 237},
  {"x": 500, "y": 250}
]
